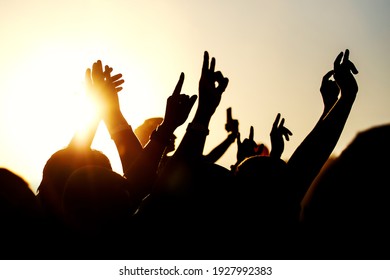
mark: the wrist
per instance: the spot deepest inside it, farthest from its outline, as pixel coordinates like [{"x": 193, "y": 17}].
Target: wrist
[
  {"x": 118, "y": 129},
  {"x": 201, "y": 118},
  {"x": 162, "y": 135}
]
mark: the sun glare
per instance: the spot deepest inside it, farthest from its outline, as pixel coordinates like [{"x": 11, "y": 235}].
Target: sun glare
[{"x": 45, "y": 104}]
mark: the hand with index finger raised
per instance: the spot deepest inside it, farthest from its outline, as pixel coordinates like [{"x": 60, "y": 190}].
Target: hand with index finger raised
[{"x": 178, "y": 106}]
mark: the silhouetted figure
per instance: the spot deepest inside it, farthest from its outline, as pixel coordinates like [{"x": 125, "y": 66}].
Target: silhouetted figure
[
  {"x": 179, "y": 208},
  {"x": 347, "y": 212},
  {"x": 56, "y": 172},
  {"x": 98, "y": 211},
  {"x": 20, "y": 217}
]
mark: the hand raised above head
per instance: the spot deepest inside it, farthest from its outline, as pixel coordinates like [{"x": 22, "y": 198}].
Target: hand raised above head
[
  {"x": 344, "y": 72},
  {"x": 278, "y": 131},
  {"x": 231, "y": 124},
  {"x": 211, "y": 86},
  {"x": 104, "y": 88},
  {"x": 178, "y": 106},
  {"x": 248, "y": 147}
]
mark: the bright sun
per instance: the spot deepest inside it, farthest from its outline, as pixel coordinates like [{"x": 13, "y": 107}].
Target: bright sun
[{"x": 45, "y": 106}]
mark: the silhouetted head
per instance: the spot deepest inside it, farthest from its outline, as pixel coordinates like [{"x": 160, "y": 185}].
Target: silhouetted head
[
  {"x": 17, "y": 201},
  {"x": 20, "y": 217},
  {"x": 57, "y": 170},
  {"x": 263, "y": 190},
  {"x": 261, "y": 168}
]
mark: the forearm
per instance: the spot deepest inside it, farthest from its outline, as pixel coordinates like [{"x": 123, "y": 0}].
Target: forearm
[
  {"x": 127, "y": 143},
  {"x": 218, "y": 151},
  {"x": 192, "y": 145},
  {"x": 84, "y": 136},
  {"x": 308, "y": 159}
]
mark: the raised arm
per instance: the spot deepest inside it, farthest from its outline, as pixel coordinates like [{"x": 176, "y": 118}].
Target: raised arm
[
  {"x": 211, "y": 86},
  {"x": 231, "y": 127},
  {"x": 107, "y": 102},
  {"x": 143, "y": 172},
  {"x": 83, "y": 137},
  {"x": 312, "y": 153}
]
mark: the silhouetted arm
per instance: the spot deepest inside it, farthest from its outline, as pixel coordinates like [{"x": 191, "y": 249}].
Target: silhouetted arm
[
  {"x": 83, "y": 138},
  {"x": 107, "y": 102},
  {"x": 232, "y": 127},
  {"x": 216, "y": 153},
  {"x": 192, "y": 145},
  {"x": 308, "y": 159},
  {"x": 143, "y": 172}
]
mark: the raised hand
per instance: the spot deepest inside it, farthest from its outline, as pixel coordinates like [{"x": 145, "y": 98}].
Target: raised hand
[
  {"x": 277, "y": 133},
  {"x": 211, "y": 86},
  {"x": 178, "y": 106},
  {"x": 231, "y": 124},
  {"x": 248, "y": 147},
  {"x": 344, "y": 72},
  {"x": 104, "y": 88},
  {"x": 329, "y": 91}
]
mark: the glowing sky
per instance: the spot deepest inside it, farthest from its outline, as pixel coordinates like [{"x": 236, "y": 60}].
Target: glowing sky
[{"x": 273, "y": 52}]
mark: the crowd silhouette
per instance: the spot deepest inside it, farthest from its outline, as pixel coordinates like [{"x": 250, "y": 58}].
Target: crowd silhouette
[{"x": 184, "y": 205}]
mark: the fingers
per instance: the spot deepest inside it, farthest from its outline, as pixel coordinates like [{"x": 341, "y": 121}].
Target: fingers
[
  {"x": 327, "y": 76},
  {"x": 337, "y": 61},
  {"x": 251, "y": 133},
  {"x": 116, "y": 77},
  {"x": 229, "y": 114},
  {"x": 346, "y": 62},
  {"x": 179, "y": 85},
  {"x": 353, "y": 68},
  {"x": 238, "y": 139},
  {"x": 275, "y": 125},
  {"x": 286, "y": 132},
  {"x": 97, "y": 71},
  {"x": 88, "y": 80},
  {"x": 221, "y": 80},
  {"x": 192, "y": 100},
  {"x": 281, "y": 123},
  {"x": 107, "y": 72},
  {"x": 205, "y": 65},
  {"x": 117, "y": 84},
  {"x": 346, "y": 56},
  {"x": 212, "y": 65}
]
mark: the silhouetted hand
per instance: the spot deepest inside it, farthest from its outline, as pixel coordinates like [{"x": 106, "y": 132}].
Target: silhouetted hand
[
  {"x": 231, "y": 125},
  {"x": 104, "y": 88},
  {"x": 211, "y": 86},
  {"x": 248, "y": 147},
  {"x": 329, "y": 91},
  {"x": 277, "y": 133},
  {"x": 178, "y": 106},
  {"x": 344, "y": 75}
]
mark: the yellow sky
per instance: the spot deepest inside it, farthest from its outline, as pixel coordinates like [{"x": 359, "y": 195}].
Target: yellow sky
[{"x": 273, "y": 52}]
